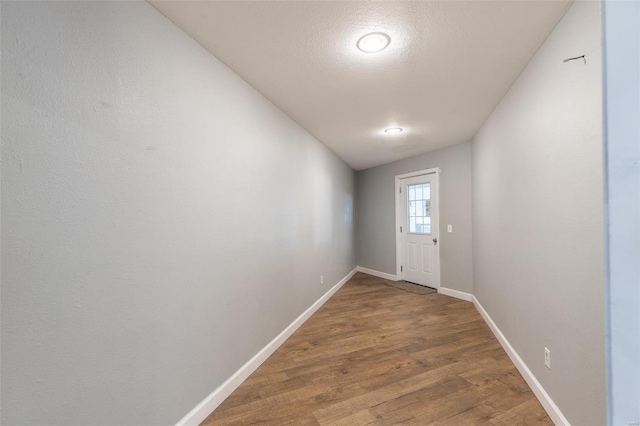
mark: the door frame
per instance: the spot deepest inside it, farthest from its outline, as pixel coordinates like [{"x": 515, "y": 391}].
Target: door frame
[{"x": 398, "y": 178}]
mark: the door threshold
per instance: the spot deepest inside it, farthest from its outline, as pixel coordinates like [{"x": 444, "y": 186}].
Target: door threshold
[{"x": 421, "y": 285}]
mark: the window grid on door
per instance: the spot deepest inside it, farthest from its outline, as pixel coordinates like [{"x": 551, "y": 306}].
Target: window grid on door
[{"x": 419, "y": 208}]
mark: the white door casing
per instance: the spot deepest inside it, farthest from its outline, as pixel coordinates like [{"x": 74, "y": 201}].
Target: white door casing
[{"x": 417, "y": 231}]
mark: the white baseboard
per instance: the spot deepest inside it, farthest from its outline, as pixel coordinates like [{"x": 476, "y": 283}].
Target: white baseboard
[
  {"x": 547, "y": 403},
  {"x": 215, "y": 398},
  {"x": 377, "y": 273},
  {"x": 455, "y": 293}
]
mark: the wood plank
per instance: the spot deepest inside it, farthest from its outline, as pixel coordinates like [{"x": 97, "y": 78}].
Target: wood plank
[{"x": 375, "y": 354}]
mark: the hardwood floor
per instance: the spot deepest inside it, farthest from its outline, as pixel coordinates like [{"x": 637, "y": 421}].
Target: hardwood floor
[{"x": 374, "y": 354}]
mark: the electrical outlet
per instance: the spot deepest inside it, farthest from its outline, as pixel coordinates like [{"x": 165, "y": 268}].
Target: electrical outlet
[
  {"x": 321, "y": 279},
  {"x": 547, "y": 358},
  {"x": 449, "y": 228}
]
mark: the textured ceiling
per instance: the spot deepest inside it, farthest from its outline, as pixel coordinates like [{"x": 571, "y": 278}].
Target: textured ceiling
[{"x": 449, "y": 63}]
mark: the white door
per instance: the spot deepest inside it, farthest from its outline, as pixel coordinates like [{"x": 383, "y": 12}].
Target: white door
[{"x": 420, "y": 260}]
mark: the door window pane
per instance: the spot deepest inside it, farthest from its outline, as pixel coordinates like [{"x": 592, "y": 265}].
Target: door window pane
[{"x": 419, "y": 208}]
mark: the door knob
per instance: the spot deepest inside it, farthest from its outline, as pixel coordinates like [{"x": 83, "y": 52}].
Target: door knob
[{"x": 435, "y": 241}]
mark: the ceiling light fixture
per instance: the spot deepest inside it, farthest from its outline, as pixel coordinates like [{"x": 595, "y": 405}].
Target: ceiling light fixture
[
  {"x": 393, "y": 130},
  {"x": 373, "y": 42}
]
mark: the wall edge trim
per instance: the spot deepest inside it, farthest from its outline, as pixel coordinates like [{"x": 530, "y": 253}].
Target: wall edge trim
[
  {"x": 456, "y": 293},
  {"x": 378, "y": 274},
  {"x": 547, "y": 403},
  {"x": 215, "y": 398}
]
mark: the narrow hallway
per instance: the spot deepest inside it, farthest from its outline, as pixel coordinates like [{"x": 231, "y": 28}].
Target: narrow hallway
[{"x": 375, "y": 354}]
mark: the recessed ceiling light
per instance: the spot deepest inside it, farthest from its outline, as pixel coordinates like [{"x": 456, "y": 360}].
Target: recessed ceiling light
[
  {"x": 373, "y": 42},
  {"x": 393, "y": 130}
]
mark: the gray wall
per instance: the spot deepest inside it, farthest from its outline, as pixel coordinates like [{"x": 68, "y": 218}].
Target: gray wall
[
  {"x": 621, "y": 31},
  {"x": 376, "y": 214},
  {"x": 161, "y": 220},
  {"x": 538, "y": 215}
]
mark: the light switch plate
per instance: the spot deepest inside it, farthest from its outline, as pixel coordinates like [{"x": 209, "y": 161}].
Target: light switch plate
[{"x": 449, "y": 228}]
